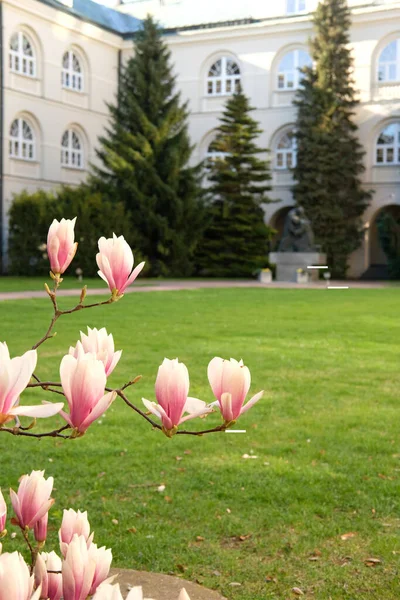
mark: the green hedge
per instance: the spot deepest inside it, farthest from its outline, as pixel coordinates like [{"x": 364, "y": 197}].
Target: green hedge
[{"x": 32, "y": 213}]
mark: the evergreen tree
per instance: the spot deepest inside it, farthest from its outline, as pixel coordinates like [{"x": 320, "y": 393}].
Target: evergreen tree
[
  {"x": 329, "y": 155},
  {"x": 145, "y": 158},
  {"x": 236, "y": 240}
]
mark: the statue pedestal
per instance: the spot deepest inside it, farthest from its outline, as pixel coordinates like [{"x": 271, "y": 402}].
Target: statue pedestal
[{"x": 288, "y": 263}]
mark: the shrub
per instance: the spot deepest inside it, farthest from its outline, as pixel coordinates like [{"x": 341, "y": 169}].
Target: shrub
[{"x": 32, "y": 213}]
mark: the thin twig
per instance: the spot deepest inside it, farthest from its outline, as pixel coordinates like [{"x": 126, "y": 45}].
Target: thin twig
[{"x": 19, "y": 431}]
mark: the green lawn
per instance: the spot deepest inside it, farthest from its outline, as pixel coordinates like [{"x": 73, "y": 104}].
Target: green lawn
[{"x": 326, "y": 438}]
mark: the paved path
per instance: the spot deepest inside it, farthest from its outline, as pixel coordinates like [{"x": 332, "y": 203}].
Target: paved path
[{"x": 169, "y": 286}]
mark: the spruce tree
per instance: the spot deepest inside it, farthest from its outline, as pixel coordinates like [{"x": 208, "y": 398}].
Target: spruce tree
[
  {"x": 236, "y": 240},
  {"x": 145, "y": 156},
  {"x": 329, "y": 155}
]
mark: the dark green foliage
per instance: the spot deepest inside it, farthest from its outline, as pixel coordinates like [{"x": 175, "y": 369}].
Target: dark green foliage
[
  {"x": 145, "y": 158},
  {"x": 32, "y": 214},
  {"x": 389, "y": 238},
  {"x": 329, "y": 156},
  {"x": 236, "y": 240}
]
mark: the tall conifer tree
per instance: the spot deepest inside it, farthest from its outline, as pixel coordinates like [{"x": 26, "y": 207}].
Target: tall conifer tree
[
  {"x": 145, "y": 157},
  {"x": 236, "y": 241},
  {"x": 329, "y": 156}
]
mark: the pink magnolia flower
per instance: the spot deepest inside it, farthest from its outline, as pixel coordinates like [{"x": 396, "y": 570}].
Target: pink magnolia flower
[
  {"x": 74, "y": 523},
  {"x": 103, "y": 558},
  {"x": 172, "y": 388},
  {"x": 61, "y": 247},
  {"x": 230, "y": 382},
  {"x": 77, "y": 570},
  {"x": 115, "y": 261},
  {"x": 51, "y": 583},
  {"x": 101, "y": 344},
  {"x": 183, "y": 595},
  {"x": 84, "y": 569},
  {"x": 16, "y": 582},
  {"x": 32, "y": 501},
  {"x": 15, "y": 374},
  {"x": 40, "y": 529},
  {"x": 3, "y": 513},
  {"x": 83, "y": 380}
]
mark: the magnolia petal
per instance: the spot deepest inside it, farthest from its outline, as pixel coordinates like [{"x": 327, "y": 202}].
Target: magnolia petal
[
  {"x": 136, "y": 593},
  {"x": 183, "y": 595},
  {"x": 152, "y": 407},
  {"x": 48, "y": 409},
  {"x": 66, "y": 416},
  {"x": 194, "y": 405},
  {"x": 251, "y": 402},
  {"x": 100, "y": 408},
  {"x": 36, "y": 594},
  {"x": 226, "y": 406},
  {"x": 136, "y": 271},
  {"x": 15, "y": 504}
]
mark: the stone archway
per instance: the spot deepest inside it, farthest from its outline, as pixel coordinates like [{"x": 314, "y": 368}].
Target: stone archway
[
  {"x": 277, "y": 222},
  {"x": 377, "y": 258}
]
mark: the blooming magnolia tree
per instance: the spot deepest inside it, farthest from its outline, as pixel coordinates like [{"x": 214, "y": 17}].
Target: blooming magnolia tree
[
  {"x": 84, "y": 370},
  {"x": 82, "y": 570}
]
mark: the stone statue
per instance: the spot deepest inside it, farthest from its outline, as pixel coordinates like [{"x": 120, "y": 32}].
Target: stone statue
[{"x": 297, "y": 233}]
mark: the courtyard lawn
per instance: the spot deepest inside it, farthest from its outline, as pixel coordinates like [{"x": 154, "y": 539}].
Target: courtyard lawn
[{"x": 321, "y": 495}]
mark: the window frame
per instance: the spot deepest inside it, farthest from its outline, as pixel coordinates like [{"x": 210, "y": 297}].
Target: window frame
[
  {"x": 295, "y": 71},
  {"x": 395, "y": 147},
  {"x": 20, "y": 142},
  {"x": 18, "y": 57},
  {"x": 72, "y": 158},
  {"x": 285, "y": 152},
  {"x": 223, "y": 79},
  {"x": 69, "y": 75},
  {"x": 387, "y": 64}
]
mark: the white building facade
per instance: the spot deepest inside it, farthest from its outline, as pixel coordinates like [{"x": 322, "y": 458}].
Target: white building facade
[{"x": 61, "y": 68}]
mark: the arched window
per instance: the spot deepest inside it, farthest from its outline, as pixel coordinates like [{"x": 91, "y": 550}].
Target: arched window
[
  {"x": 213, "y": 154},
  {"x": 295, "y": 6},
  {"x": 22, "y": 140},
  {"x": 286, "y": 151},
  {"x": 71, "y": 150},
  {"x": 72, "y": 75},
  {"x": 389, "y": 62},
  {"x": 388, "y": 145},
  {"x": 21, "y": 55},
  {"x": 289, "y": 75},
  {"x": 223, "y": 77}
]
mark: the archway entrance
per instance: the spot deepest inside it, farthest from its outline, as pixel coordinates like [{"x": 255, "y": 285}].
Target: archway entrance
[
  {"x": 377, "y": 258},
  {"x": 277, "y": 222}
]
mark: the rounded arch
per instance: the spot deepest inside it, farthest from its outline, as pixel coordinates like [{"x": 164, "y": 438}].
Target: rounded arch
[
  {"x": 284, "y": 147},
  {"x": 205, "y": 142},
  {"x": 74, "y": 147},
  {"x": 377, "y": 258},
  {"x": 226, "y": 82},
  {"x": 277, "y": 222},
  {"x": 386, "y": 142},
  {"x": 75, "y": 69},
  {"x": 22, "y": 144},
  {"x": 25, "y": 52},
  {"x": 376, "y": 55},
  {"x": 285, "y": 51}
]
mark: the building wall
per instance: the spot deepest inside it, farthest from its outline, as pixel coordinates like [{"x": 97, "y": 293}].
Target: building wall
[
  {"x": 258, "y": 50},
  {"x": 43, "y": 102}
]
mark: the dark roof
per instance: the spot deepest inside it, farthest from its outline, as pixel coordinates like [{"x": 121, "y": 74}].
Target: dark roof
[{"x": 100, "y": 15}]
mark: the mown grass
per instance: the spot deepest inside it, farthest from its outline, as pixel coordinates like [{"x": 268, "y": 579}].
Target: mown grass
[{"x": 326, "y": 438}]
